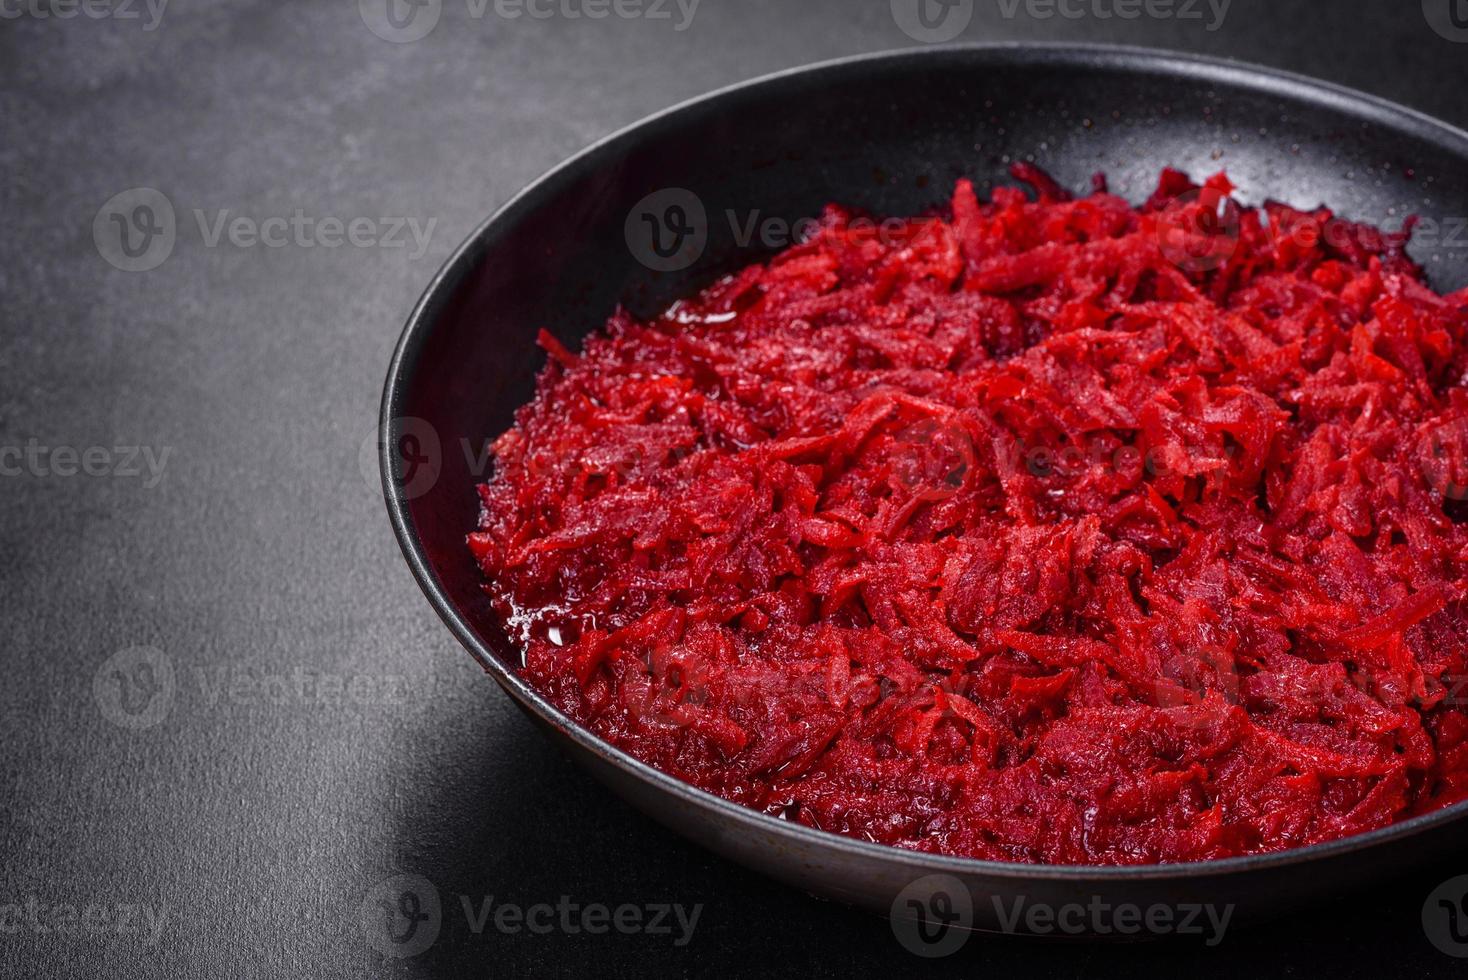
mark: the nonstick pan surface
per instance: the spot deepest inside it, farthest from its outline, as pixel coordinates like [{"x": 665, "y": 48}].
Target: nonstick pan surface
[{"x": 888, "y": 133}]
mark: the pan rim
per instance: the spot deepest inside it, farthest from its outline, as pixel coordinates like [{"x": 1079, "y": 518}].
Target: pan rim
[{"x": 465, "y": 259}]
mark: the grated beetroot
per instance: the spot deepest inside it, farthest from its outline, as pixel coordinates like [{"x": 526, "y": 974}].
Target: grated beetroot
[{"x": 1046, "y": 530}]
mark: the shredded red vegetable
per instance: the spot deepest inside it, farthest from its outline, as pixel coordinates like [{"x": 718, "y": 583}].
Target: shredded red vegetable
[{"x": 1045, "y": 530}]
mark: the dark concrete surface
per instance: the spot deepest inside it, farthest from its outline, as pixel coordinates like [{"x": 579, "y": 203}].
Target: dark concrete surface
[{"x": 227, "y": 716}]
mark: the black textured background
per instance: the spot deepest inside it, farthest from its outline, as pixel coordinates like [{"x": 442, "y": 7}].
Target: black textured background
[{"x": 323, "y": 732}]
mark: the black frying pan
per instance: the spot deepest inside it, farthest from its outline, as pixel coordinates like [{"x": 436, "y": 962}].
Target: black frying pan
[{"x": 888, "y": 133}]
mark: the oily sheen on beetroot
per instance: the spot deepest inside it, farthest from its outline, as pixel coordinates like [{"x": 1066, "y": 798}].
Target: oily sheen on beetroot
[{"x": 1045, "y": 529}]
